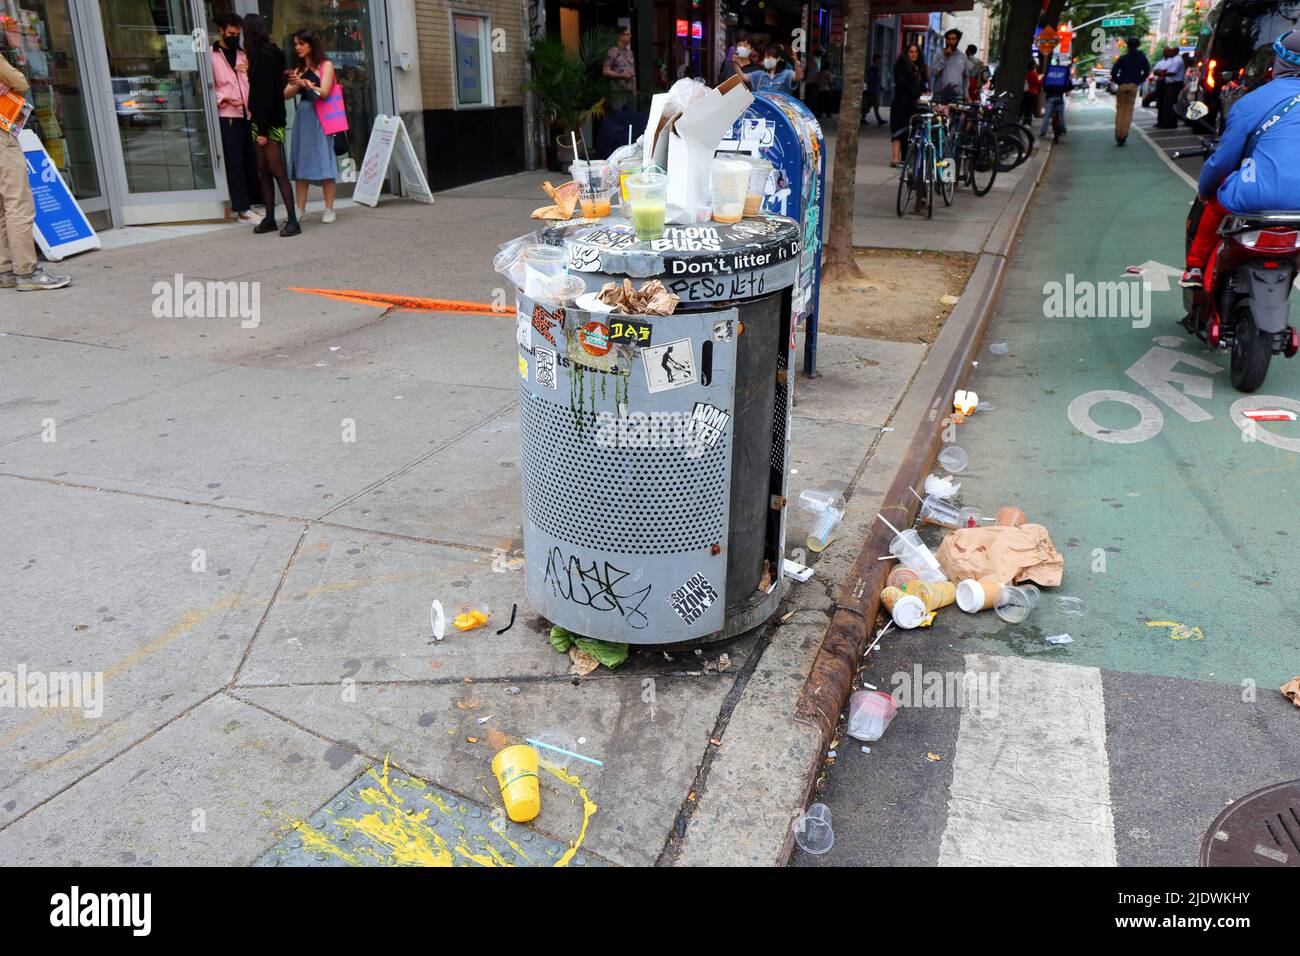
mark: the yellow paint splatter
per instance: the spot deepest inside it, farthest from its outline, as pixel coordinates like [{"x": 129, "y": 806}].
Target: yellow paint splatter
[
  {"x": 1179, "y": 632},
  {"x": 400, "y": 836}
]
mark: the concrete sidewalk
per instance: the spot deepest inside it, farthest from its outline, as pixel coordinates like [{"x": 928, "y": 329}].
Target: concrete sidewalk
[{"x": 242, "y": 529}]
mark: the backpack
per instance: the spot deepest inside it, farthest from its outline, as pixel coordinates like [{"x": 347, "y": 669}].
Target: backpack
[{"x": 1056, "y": 79}]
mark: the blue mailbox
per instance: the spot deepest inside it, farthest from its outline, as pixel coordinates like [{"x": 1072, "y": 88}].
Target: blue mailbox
[{"x": 780, "y": 129}]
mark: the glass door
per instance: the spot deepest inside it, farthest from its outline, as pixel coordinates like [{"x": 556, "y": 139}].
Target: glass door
[
  {"x": 158, "y": 108},
  {"x": 40, "y": 36}
]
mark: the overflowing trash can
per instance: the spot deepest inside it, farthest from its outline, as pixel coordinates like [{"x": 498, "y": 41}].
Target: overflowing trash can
[{"x": 656, "y": 446}]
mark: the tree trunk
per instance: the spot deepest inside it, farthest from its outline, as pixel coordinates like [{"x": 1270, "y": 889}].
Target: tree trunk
[
  {"x": 840, "y": 263},
  {"x": 1022, "y": 18}
]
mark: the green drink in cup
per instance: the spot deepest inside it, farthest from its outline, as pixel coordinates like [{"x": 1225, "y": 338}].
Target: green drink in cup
[{"x": 647, "y": 199}]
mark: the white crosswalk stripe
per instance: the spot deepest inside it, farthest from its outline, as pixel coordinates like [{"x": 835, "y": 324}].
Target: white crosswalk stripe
[{"x": 1031, "y": 779}]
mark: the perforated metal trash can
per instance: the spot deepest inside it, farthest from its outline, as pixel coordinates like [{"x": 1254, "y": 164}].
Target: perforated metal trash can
[{"x": 655, "y": 448}]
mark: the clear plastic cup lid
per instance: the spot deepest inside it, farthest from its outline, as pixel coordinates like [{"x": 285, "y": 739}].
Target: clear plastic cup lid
[
  {"x": 953, "y": 458},
  {"x": 542, "y": 253},
  {"x": 1070, "y": 606},
  {"x": 909, "y": 612},
  {"x": 563, "y": 288},
  {"x": 556, "y": 738}
]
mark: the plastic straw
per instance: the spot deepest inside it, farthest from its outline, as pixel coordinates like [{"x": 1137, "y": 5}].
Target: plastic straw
[
  {"x": 918, "y": 497},
  {"x": 561, "y": 750},
  {"x": 887, "y": 524}
]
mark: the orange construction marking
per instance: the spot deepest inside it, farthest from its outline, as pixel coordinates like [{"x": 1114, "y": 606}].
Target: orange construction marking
[{"x": 409, "y": 303}]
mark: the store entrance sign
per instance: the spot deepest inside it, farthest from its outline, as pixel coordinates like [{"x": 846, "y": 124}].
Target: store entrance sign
[{"x": 60, "y": 227}]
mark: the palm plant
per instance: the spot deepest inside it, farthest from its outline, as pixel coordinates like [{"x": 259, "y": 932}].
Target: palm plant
[{"x": 570, "y": 86}]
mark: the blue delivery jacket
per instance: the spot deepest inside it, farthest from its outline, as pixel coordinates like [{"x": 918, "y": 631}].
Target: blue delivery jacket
[{"x": 1272, "y": 179}]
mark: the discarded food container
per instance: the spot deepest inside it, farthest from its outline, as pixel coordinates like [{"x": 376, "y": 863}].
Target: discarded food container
[
  {"x": 900, "y": 576},
  {"x": 594, "y": 186},
  {"x": 541, "y": 262},
  {"x": 828, "y": 506},
  {"x": 921, "y": 597},
  {"x": 938, "y": 512},
  {"x": 729, "y": 178},
  {"x": 516, "y": 772},
  {"x": 941, "y": 487},
  {"x": 556, "y": 747},
  {"x": 563, "y": 289},
  {"x": 912, "y": 552},
  {"x": 647, "y": 200},
  {"x": 1015, "y": 601},
  {"x": 813, "y": 832},
  {"x": 870, "y": 714},
  {"x": 953, "y": 458},
  {"x": 760, "y": 170},
  {"x": 1009, "y": 517},
  {"x": 977, "y": 595},
  {"x": 471, "y": 617}
]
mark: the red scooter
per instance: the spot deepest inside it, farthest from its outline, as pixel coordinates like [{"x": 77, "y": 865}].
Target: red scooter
[{"x": 1244, "y": 305}]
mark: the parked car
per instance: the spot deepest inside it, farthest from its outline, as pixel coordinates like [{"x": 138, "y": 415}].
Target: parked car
[{"x": 1236, "y": 53}]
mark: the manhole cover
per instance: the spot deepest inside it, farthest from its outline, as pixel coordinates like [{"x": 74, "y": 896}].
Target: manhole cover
[{"x": 1260, "y": 829}]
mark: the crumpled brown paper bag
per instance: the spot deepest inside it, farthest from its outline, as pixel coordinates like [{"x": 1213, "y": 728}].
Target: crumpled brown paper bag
[
  {"x": 1291, "y": 690},
  {"x": 651, "y": 299},
  {"x": 1012, "y": 555},
  {"x": 566, "y": 199}
]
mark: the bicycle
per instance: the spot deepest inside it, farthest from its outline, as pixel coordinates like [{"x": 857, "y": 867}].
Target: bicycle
[{"x": 919, "y": 171}]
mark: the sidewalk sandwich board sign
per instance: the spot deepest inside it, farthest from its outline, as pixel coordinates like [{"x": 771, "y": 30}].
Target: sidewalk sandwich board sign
[
  {"x": 389, "y": 135},
  {"x": 60, "y": 227}
]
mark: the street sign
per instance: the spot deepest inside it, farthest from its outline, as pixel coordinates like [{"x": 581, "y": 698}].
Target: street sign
[{"x": 1126, "y": 21}]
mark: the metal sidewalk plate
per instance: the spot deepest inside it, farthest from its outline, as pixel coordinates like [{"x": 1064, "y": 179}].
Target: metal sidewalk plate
[
  {"x": 1260, "y": 829},
  {"x": 388, "y": 818}
]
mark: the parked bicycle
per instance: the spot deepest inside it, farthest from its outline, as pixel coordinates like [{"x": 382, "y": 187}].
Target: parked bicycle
[{"x": 925, "y": 163}]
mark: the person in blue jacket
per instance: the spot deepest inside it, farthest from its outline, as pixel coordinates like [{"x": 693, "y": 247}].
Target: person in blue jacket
[{"x": 1254, "y": 167}]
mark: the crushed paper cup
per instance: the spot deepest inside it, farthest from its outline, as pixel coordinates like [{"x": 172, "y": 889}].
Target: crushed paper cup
[{"x": 1291, "y": 690}]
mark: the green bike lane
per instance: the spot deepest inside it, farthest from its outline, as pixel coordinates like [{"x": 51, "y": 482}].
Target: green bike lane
[{"x": 1116, "y": 432}]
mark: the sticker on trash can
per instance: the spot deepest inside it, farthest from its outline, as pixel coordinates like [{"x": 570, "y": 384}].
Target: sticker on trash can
[
  {"x": 693, "y": 598},
  {"x": 544, "y": 362},
  {"x": 544, "y": 321},
  {"x": 630, "y": 330},
  {"x": 671, "y": 365},
  {"x": 522, "y": 334},
  {"x": 707, "y": 421},
  {"x": 523, "y": 368},
  {"x": 594, "y": 338}
]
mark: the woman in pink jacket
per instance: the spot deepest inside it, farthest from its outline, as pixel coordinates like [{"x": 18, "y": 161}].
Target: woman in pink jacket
[{"x": 230, "y": 75}]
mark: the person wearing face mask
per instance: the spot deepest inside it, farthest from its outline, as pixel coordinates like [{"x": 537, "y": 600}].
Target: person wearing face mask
[
  {"x": 230, "y": 78},
  {"x": 740, "y": 61},
  {"x": 778, "y": 75}
]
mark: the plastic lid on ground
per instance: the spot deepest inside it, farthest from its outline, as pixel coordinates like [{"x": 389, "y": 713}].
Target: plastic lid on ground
[
  {"x": 556, "y": 738},
  {"x": 953, "y": 458}
]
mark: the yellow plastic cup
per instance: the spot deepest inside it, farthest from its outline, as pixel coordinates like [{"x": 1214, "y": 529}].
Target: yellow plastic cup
[{"x": 516, "y": 772}]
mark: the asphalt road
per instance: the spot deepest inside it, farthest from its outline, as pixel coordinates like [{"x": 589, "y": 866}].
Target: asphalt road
[{"x": 1179, "y": 537}]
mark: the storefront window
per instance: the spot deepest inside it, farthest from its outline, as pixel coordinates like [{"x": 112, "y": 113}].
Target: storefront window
[
  {"x": 159, "y": 97},
  {"x": 38, "y": 38},
  {"x": 473, "y": 64},
  {"x": 344, "y": 26}
]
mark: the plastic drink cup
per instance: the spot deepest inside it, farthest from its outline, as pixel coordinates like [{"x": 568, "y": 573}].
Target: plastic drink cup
[
  {"x": 977, "y": 595},
  {"x": 908, "y": 547},
  {"x": 870, "y": 713},
  {"x": 1010, "y": 517},
  {"x": 730, "y": 180},
  {"x": 939, "y": 512},
  {"x": 647, "y": 197},
  {"x": 516, "y": 772},
  {"x": 900, "y": 577},
  {"x": 1014, "y": 602},
  {"x": 541, "y": 262},
  {"x": 594, "y": 186},
  {"x": 623, "y": 169},
  {"x": 813, "y": 832},
  {"x": 759, "y": 171}
]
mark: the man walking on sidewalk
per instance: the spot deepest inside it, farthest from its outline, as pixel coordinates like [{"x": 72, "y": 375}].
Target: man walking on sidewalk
[
  {"x": 18, "y": 268},
  {"x": 1129, "y": 73}
]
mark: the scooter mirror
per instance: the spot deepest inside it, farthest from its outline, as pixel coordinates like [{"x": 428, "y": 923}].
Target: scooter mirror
[{"x": 1197, "y": 110}]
